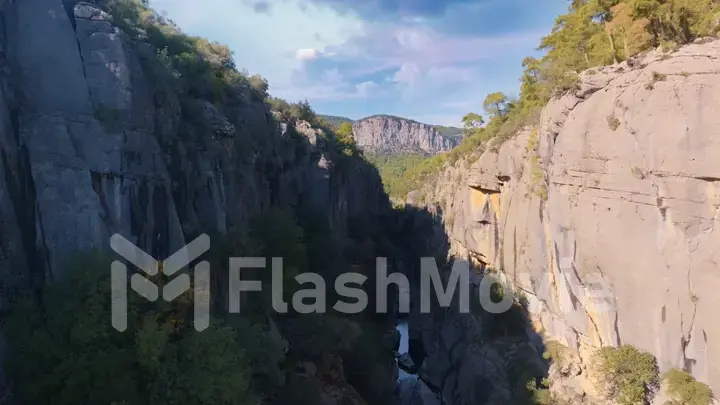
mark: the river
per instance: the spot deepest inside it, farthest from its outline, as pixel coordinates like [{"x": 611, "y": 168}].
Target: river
[{"x": 404, "y": 347}]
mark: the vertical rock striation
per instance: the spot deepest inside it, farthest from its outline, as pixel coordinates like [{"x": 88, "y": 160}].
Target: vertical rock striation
[
  {"x": 606, "y": 215},
  {"x": 388, "y": 134}
]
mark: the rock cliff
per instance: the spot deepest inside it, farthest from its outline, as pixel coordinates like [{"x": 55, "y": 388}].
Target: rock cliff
[
  {"x": 388, "y": 134},
  {"x": 606, "y": 214},
  {"x": 90, "y": 147},
  {"x": 92, "y": 144}
]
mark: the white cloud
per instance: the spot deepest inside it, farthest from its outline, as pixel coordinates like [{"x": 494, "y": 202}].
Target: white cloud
[
  {"x": 310, "y": 51},
  {"x": 306, "y": 54},
  {"x": 268, "y": 42},
  {"x": 450, "y": 74},
  {"x": 389, "y": 46},
  {"x": 408, "y": 74},
  {"x": 332, "y": 76},
  {"x": 365, "y": 89}
]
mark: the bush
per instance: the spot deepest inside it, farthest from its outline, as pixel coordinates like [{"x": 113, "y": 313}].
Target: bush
[
  {"x": 301, "y": 391},
  {"x": 627, "y": 374},
  {"x": 392, "y": 170},
  {"x": 613, "y": 122},
  {"x": 555, "y": 351},
  {"x": 316, "y": 335},
  {"x": 685, "y": 390},
  {"x": 192, "y": 66},
  {"x": 367, "y": 365}
]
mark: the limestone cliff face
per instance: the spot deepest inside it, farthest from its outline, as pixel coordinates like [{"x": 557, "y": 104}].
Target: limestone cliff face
[
  {"x": 92, "y": 145},
  {"x": 388, "y": 134},
  {"x": 606, "y": 215}
]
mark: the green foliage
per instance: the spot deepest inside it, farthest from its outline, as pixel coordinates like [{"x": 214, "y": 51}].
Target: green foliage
[
  {"x": 637, "y": 172},
  {"x": 335, "y": 121},
  {"x": 685, "y": 390},
  {"x": 658, "y": 77},
  {"x": 539, "y": 395},
  {"x": 345, "y": 130},
  {"x": 613, "y": 122},
  {"x": 341, "y": 144},
  {"x": 555, "y": 351},
  {"x": 592, "y": 33},
  {"x": 537, "y": 185},
  {"x": 392, "y": 170},
  {"x": 66, "y": 352},
  {"x": 315, "y": 335},
  {"x": 292, "y": 112},
  {"x": 628, "y": 374},
  {"x": 301, "y": 390},
  {"x": 448, "y": 131},
  {"x": 367, "y": 366},
  {"x": 471, "y": 122},
  {"x": 191, "y": 66},
  {"x": 344, "y": 136},
  {"x": 495, "y": 104}
]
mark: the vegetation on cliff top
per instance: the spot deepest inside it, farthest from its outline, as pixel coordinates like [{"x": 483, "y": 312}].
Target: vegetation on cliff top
[
  {"x": 197, "y": 68},
  {"x": 592, "y": 33}
]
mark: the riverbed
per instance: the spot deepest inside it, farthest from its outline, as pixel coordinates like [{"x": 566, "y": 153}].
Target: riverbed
[{"x": 404, "y": 347}]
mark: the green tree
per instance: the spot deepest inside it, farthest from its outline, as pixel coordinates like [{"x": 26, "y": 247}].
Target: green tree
[
  {"x": 630, "y": 375},
  {"x": 471, "y": 122},
  {"x": 496, "y": 104},
  {"x": 632, "y": 32},
  {"x": 345, "y": 131},
  {"x": 686, "y": 390},
  {"x": 260, "y": 84},
  {"x": 65, "y": 351}
]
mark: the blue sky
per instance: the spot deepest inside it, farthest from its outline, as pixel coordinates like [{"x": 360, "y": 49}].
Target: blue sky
[{"x": 429, "y": 60}]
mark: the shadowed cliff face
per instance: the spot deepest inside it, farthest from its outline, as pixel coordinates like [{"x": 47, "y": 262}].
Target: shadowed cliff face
[
  {"x": 91, "y": 147},
  {"x": 92, "y": 143},
  {"x": 390, "y": 135},
  {"x": 616, "y": 191}
]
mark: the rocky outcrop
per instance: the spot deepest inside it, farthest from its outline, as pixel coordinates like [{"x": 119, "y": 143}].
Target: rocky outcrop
[
  {"x": 390, "y": 135},
  {"x": 606, "y": 214},
  {"x": 412, "y": 391},
  {"x": 93, "y": 143},
  {"x": 474, "y": 357}
]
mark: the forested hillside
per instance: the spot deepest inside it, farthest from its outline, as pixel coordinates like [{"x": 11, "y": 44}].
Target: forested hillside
[
  {"x": 592, "y": 33},
  {"x": 335, "y": 121}
]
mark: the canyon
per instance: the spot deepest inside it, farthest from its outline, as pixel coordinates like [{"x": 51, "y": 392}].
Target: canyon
[{"x": 615, "y": 189}]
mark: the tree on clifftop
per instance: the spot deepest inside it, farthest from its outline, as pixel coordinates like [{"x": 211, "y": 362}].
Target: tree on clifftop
[
  {"x": 496, "y": 104},
  {"x": 345, "y": 130},
  {"x": 471, "y": 122}
]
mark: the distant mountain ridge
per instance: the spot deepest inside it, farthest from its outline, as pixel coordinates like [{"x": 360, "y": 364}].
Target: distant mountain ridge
[
  {"x": 335, "y": 120},
  {"x": 389, "y": 134}
]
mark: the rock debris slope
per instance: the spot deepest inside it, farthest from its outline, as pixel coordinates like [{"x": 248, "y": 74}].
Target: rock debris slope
[{"x": 617, "y": 190}]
